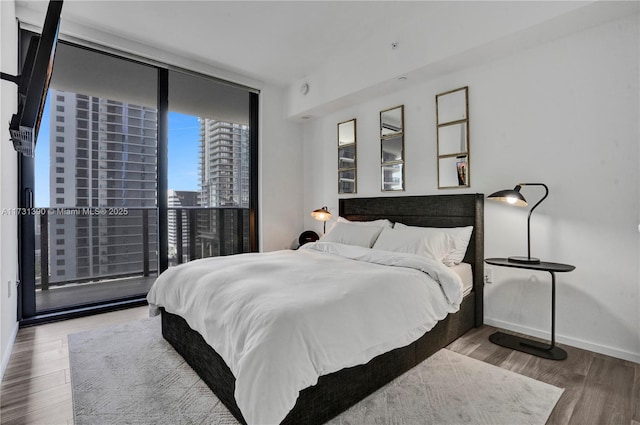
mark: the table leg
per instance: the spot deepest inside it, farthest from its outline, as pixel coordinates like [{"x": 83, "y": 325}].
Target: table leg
[{"x": 533, "y": 347}]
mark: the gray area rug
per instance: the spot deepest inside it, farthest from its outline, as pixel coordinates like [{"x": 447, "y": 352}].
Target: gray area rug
[{"x": 128, "y": 374}]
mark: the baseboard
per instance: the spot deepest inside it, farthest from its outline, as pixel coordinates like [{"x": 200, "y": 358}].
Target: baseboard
[
  {"x": 562, "y": 339},
  {"x": 7, "y": 354}
]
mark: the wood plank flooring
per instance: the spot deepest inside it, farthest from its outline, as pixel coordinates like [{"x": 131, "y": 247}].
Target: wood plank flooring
[
  {"x": 599, "y": 390},
  {"x": 36, "y": 387}
]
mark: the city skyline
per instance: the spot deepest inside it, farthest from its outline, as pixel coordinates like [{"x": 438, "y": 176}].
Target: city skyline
[
  {"x": 101, "y": 154},
  {"x": 184, "y": 148}
]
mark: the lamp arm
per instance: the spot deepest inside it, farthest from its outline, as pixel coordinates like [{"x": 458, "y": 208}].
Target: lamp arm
[{"x": 531, "y": 210}]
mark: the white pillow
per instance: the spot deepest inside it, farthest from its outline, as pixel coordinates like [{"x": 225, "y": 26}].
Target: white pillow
[
  {"x": 459, "y": 235},
  {"x": 383, "y": 222},
  {"x": 408, "y": 241},
  {"x": 353, "y": 234}
]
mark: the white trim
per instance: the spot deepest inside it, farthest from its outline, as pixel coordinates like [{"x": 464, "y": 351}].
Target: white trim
[
  {"x": 7, "y": 354},
  {"x": 578, "y": 343}
]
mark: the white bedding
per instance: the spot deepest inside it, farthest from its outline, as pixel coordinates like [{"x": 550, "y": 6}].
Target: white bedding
[{"x": 282, "y": 319}]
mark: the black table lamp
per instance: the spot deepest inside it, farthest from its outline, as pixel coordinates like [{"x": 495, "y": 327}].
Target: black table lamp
[
  {"x": 514, "y": 197},
  {"x": 323, "y": 215}
]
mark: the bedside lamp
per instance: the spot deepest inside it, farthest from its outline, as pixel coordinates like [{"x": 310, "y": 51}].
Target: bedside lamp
[
  {"x": 323, "y": 215},
  {"x": 514, "y": 197}
]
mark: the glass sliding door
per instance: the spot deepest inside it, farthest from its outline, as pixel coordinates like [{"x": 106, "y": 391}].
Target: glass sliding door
[
  {"x": 96, "y": 182},
  {"x": 209, "y": 177},
  {"x": 136, "y": 168}
]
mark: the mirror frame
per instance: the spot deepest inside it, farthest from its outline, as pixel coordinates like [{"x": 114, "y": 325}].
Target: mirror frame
[
  {"x": 386, "y": 164},
  {"x": 354, "y": 168},
  {"x": 461, "y": 172}
]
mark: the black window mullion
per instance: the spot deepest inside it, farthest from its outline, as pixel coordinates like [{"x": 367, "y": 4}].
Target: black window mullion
[
  {"x": 26, "y": 240},
  {"x": 253, "y": 170},
  {"x": 163, "y": 167}
]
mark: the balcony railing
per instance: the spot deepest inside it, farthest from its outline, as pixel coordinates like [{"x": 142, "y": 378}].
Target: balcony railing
[
  {"x": 83, "y": 245},
  {"x": 218, "y": 231}
]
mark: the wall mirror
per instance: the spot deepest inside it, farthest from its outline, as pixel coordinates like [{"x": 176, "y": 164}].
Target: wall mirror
[
  {"x": 452, "y": 118},
  {"x": 347, "y": 163},
  {"x": 392, "y": 148}
]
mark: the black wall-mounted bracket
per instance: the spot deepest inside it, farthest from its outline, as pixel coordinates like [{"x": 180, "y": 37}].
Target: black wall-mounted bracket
[{"x": 9, "y": 77}]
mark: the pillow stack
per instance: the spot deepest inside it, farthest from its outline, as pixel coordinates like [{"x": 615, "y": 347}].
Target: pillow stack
[{"x": 447, "y": 245}]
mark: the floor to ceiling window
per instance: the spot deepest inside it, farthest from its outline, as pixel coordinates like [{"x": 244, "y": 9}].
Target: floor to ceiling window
[
  {"x": 95, "y": 169},
  {"x": 115, "y": 206},
  {"x": 209, "y": 178}
]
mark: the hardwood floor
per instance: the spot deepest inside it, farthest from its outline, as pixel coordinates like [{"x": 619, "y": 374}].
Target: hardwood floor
[
  {"x": 599, "y": 390},
  {"x": 36, "y": 388}
]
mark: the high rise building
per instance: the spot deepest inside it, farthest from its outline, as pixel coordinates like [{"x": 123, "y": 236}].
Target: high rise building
[
  {"x": 224, "y": 185},
  {"x": 102, "y": 186},
  {"x": 224, "y": 164},
  {"x": 179, "y": 199}
]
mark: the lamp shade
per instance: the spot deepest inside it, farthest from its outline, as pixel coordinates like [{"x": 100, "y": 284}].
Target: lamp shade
[
  {"x": 514, "y": 197},
  {"x": 321, "y": 214},
  {"x": 510, "y": 196}
]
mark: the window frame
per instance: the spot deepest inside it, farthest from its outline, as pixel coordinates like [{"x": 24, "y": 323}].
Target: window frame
[{"x": 26, "y": 313}]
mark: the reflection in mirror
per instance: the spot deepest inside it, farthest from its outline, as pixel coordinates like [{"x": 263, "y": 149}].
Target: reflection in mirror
[
  {"x": 347, "y": 158},
  {"x": 392, "y": 148},
  {"x": 452, "y": 113},
  {"x": 452, "y": 106},
  {"x": 393, "y": 177},
  {"x": 347, "y": 132},
  {"x": 391, "y": 121},
  {"x": 347, "y": 181},
  {"x": 452, "y": 139},
  {"x": 453, "y": 171}
]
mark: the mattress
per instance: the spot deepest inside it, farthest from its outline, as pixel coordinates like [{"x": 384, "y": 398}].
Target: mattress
[{"x": 465, "y": 272}]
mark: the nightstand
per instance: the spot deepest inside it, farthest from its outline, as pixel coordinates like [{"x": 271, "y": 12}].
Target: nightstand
[{"x": 547, "y": 351}]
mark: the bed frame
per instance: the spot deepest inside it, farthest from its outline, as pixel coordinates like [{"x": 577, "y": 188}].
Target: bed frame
[{"x": 336, "y": 392}]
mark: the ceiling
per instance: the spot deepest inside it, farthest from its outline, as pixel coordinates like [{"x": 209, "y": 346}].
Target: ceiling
[
  {"x": 273, "y": 41},
  {"x": 341, "y": 49}
]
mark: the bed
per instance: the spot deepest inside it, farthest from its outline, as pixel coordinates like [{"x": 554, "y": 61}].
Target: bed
[{"x": 337, "y": 391}]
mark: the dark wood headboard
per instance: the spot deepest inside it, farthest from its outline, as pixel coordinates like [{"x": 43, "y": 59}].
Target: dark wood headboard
[{"x": 431, "y": 211}]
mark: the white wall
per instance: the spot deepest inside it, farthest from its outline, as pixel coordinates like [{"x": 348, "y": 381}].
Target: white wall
[
  {"x": 564, "y": 113},
  {"x": 8, "y": 188},
  {"x": 281, "y": 190}
]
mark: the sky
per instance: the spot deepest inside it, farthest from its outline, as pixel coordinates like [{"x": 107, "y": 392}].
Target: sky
[
  {"x": 184, "y": 139},
  {"x": 184, "y": 143}
]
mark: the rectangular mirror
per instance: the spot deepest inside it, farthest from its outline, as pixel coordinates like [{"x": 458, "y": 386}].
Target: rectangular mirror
[
  {"x": 347, "y": 181},
  {"x": 392, "y": 148},
  {"x": 391, "y": 121},
  {"x": 452, "y": 139},
  {"x": 452, "y": 106},
  {"x": 347, "y": 133},
  {"x": 393, "y": 177},
  {"x": 347, "y": 157},
  {"x": 453, "y": 171},
  {"x": 452, "y": 133}
]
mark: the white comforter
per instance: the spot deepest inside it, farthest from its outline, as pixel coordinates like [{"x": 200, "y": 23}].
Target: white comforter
[{"x": 282, "y": 319}]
